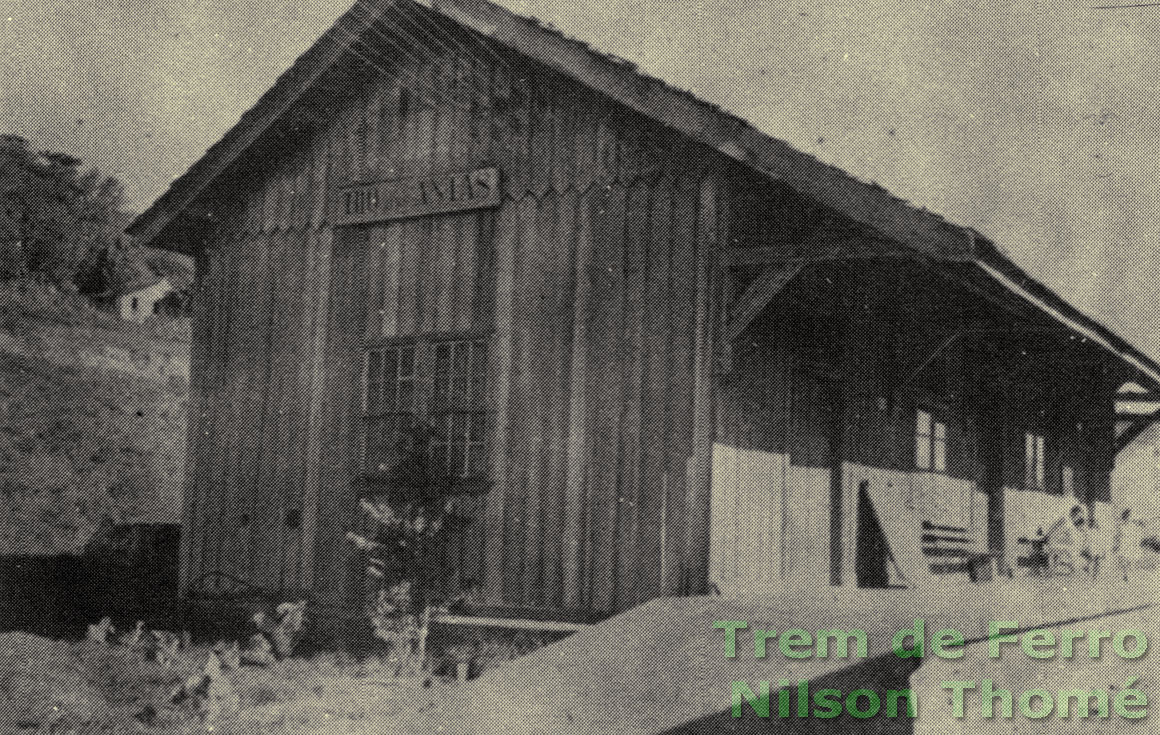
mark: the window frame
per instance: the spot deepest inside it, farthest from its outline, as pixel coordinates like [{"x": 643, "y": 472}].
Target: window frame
[
  {"x": 402, "y": 410},
  {"x": 930, "y": 441},
  {"x": 471, "y": 414},
  {"x": 423, "y": 410},
  {"x": 1034, "y": 461}
]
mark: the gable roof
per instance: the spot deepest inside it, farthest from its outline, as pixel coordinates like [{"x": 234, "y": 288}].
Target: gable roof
[
  {"x": 615, "y": 78},
  {"x": 703, "y": 122}
]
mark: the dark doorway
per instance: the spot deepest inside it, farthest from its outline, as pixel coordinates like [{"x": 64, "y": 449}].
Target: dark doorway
[{"x": 873, "y": 555}]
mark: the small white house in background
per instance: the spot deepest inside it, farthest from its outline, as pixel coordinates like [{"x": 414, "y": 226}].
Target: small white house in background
[{"x": 141, "y": 299}]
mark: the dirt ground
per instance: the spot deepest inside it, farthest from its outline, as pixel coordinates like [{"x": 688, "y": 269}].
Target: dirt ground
[
  {"x": 1086, "y": 665},
  {"x": 49, "y": 686}
]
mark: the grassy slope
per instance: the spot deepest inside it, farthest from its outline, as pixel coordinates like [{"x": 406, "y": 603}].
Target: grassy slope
[{"x": 80, "y": 440}]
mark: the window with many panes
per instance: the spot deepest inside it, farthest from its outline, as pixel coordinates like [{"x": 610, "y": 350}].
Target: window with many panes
[
  {"x": 1035, "y": 463},
  {"x": 390, "y": 409},
  {"x": 930, "y": 442},
  {"x": 458, "y": 413},
  {"x": 434, "y": 389}
]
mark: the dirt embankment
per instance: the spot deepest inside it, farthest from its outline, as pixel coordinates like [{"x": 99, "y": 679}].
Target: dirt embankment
[
  {"x": 155, "y": 358},
  {"x": 92, "y": 419},
  {"x": 40, "y": 323}
]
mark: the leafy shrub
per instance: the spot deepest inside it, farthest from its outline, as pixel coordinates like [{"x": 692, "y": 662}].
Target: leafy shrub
[{"x": 396, "y": 624}]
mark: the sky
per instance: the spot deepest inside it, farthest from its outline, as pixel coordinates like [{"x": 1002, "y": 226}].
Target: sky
[{"x": 1034, "y": 122}]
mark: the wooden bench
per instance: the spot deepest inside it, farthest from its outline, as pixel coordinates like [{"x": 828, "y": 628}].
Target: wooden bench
[{"x": 953, "y": 550}]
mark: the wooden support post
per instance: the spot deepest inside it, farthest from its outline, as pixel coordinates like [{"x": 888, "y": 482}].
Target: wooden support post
[
  {"x": 699, "y": 491},
  {"x": 199, "y": 408}
]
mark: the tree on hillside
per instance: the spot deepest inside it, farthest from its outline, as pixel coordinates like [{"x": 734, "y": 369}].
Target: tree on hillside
[
  {"x": 109, "y": 267},
  {"x": 56, "y": 218}
]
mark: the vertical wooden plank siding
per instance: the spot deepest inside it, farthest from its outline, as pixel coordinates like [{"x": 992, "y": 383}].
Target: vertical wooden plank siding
[
  {"x": 376, "y": 275},
  {"x": 632, "y": 478},
  {"x": 288, "y": 339},
  {"x": 297, "y": 343},
  {"x": 573, "y": 546},
  {"x": 220, "y": 446},
  {"x": 345, "y": 327},
  {"x": 319, "y": 242},
  {"x": 649, "y": 579},
  {"x": 605, "y": 382},
  {"x": 506, "y": 236},
  {"x": 561, "y": 244},
  {"x": 252, "y": 422},
  {"x": 265, "y": 424},
  {"x": 698, "y": 519},
  {"x": 200, "y": 407},
  {"x": 216, "y": 466},
  {"x": 533, "y": 350},
  {"x": 520, "y": 436},
  {"x": 593, "y": 279},
  {"x": 393, "y": 259},
  {"x": 229, "y": 550},
  {"x": 319, "y": 245}
]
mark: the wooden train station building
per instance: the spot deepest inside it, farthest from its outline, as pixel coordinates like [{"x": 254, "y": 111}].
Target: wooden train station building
[{"x": 657, "y": 351}]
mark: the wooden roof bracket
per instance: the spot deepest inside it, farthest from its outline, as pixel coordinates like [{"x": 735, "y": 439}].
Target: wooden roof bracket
[
  {"x": 835, "y": 239},
  {"x": 758, "y": 295},
  {"x": 1135, "y": 429}
]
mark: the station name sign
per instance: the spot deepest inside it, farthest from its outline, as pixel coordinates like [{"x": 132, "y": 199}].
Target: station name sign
[{"x": 381, "y": 201}]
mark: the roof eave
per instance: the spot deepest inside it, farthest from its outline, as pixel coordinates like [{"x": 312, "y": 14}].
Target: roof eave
[
  {"x": 700, "y": 121},
  {"x": 1022, "y": 285},
  {"x": 270, "y": 107},
  {"x": 732, "y": 137}
]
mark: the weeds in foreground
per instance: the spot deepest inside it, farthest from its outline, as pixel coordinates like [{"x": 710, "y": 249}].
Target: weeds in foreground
[{"x": 182, "y": 687}]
